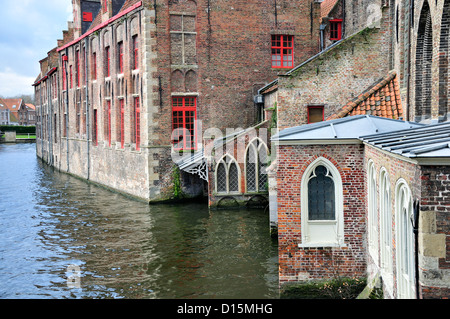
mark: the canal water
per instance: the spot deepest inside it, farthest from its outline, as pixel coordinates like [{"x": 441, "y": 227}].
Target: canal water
[{"x": 61, "y": 237}]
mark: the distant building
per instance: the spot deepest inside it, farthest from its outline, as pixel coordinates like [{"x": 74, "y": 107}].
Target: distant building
[
  {"x": 13, "y": 106},
  {"x": 4, "y": 114},
  {"x": 27, "y": 114}
]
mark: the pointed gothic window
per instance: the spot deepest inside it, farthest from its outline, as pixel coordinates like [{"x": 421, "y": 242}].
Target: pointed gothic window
[
  {"x": 255, "y": 166},
  {"x": 322, "y": 205},
  {"x": 227, "y": 175}
]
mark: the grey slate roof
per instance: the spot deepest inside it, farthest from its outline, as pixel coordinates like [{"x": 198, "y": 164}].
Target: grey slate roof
[
  {"x": 430, "y": 141},
  {"x": 352, "y": 127}
]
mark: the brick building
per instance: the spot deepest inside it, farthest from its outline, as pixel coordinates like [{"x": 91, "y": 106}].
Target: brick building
[
  {"x": 129, "y": 76},
  {"x": 27, "y": 114},
  {"x": 380, "y": 199}
]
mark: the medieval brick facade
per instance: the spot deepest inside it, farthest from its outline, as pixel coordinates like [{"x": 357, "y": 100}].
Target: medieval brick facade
[{"x": 199, "y": 64}]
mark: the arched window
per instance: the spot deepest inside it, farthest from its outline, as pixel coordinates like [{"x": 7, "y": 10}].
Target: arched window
[
  {"x": 227, "y": 175},
  {"x": 372, "y": 217},
  {"x": 386, "y": 229},
  {"x": 444, "y": 57},
  {"x": 404, "y": 241},
  {"x": 322, "y": 205},
  {"x": 424, "y": 58},
  {"x": 321, "y": 197},
  {"x": 255, "y": 166}
]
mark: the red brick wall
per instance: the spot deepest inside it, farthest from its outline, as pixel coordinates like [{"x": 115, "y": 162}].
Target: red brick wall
[
  {"x": 233, "y": 55},
  {"x": 319, "y": 263}
]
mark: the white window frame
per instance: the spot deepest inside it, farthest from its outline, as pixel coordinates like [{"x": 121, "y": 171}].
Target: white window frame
[
  {"x": 404, "y": 234},
  {"x": 386, "y": 230},
  {"x": 372, "y": 213},
  {"x": 316, "y": 233},
  {"x": 251, "y": 147},
  {"x": 232, "y": 161}
]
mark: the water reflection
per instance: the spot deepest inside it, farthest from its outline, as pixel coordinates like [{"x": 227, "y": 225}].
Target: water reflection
[{"x": 123, "y": 248}]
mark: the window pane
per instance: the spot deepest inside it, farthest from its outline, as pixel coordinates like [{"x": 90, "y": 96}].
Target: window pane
[
  {"x": 233, "y": 178},
  {"x": 221, "y": 178},
  {"x": 321, "y": 198},
  {"x": 251, "y": 169}
]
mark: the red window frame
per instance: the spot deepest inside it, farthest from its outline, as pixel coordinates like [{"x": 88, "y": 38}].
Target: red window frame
[
  {"x": 336, "y": 29},
  {"x": 105, "y": 5},
  {"x": 77, "y": 67},
  {"x": 95, "y": 130},
  {"x": 282, "y": 51},
  {"x": 64, "y": 77},
  {"x": 184, "y": 115},
  {"x": 94, "y": 66},
  {"x": 108, "y": 109},
  {"x": 87, "y": 16},
  {"x": 135, "y": 52},
  {"x": 137, "y": 123},
  {"x": 108, "y": 62},
  {"x": 315, "y": 107},
  {"x": 120, "y": 56},
  {"x": 122, "y": 123},
  {"x": 70, "y": 76}
]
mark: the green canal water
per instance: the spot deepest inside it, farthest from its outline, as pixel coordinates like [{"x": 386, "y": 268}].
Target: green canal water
[{"x": 63, "y": 238}]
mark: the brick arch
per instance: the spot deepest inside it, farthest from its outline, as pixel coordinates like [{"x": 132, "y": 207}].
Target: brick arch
[
  {"x": 183, "y": 5},
  {"x": 177, "y": 81},
  {"x": 191, "y": 81},
  {"x": 444, "y": 52},
  {"x": 424, "y": 57}
]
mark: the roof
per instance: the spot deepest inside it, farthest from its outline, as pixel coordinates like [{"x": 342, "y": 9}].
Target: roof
[
  {"x": 351, "y": 127},
  {"x": 381, "y": 99},
  {"x": 326, "y": 6},
  {"x": 30, "y": 106},
  {"x": 429, "y": 141},
  {"x": 128, "y": 7},
  {"x": 12, "y": 104}
]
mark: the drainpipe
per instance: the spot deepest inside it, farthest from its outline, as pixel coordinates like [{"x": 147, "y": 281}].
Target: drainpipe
[
  {"x": 86, "y": 47},
  {"x": 49, "y": 120},
  {"x": 67, "y": 107},
  {"x": 322, "y": 41},
  {"x": 408, "y": 68},
  {"x": 343, "y": 18},
  {"x": 42, "y": 122},
  {"x": 416, "y": 244}
]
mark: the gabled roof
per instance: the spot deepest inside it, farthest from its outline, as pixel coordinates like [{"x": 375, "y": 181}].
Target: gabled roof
[
  {"x": 12, "y": 104},
  {"x": 326, "y": 6},
  {"x": 420, "y": 142},
  {"x": 381, "y": 99},
  {"x": 30, "y": 106},
  {"x": 347, "y": 128}
]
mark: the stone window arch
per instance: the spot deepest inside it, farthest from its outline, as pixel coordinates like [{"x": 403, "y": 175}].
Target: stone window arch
[
  {"x": 322, "y": 210},
  {"x": 444, "y": 57},
  {"x": 227, "y": 175},
  {"x": 386, "y": 229},
  {"x": 404, "y": 241},
  {"x": 372, "y": 214},
  {"x": 256, "y": 158},
  {"x": 424, "y": 58}
]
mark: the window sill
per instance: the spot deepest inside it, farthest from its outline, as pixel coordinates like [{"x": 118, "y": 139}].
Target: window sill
[{"x": 321, "y": 245}]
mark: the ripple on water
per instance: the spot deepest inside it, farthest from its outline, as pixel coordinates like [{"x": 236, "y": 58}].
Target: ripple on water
[{"x": 120, "y": 248}]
